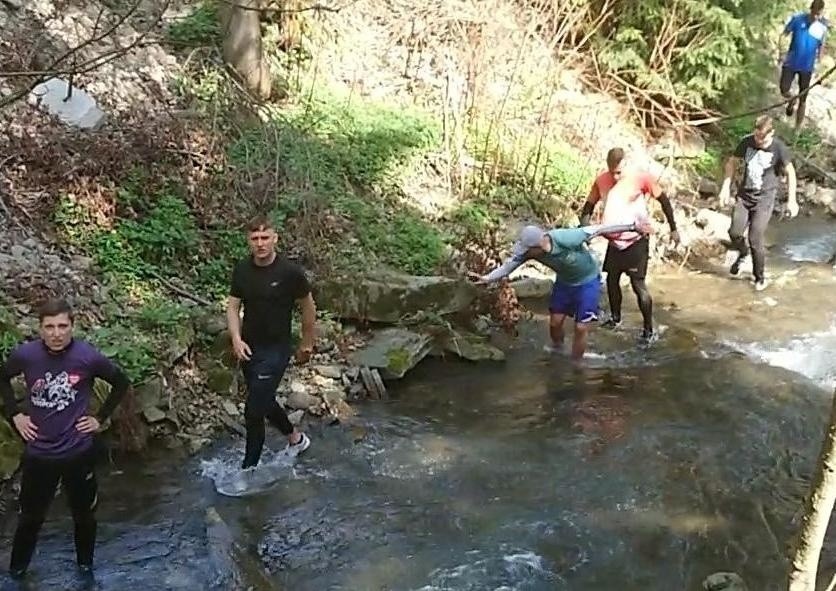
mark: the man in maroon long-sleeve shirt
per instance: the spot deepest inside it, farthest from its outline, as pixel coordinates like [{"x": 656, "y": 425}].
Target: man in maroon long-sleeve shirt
[{"x": 58, "y": 430}]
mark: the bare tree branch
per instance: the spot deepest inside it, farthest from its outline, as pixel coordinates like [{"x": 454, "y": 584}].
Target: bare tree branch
[
  {"x": 276, "y": 9},
  {"x": 92, "y": 63}
]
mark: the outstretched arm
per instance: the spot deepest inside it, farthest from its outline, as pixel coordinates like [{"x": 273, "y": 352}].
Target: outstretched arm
[
  {"x": 503, "y": 270},
  {"x": 575, "y": 237}
]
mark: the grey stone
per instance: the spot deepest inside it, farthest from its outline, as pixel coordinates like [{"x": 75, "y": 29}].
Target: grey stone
[
  {"x": 301, "y": 401},
  {"x": 724, "y": 582},
  {"x": 297, "y": 387},
  {"x": 230, "y": 407},
  {"x": 295, "y": 417},
  {"x": 389, "y": 297},
  {"x": 715, "y": 224},
  {"x": 31, "y": 244},
  {"x": 471, "y": 347},
  {"x": 18, "y": 252},
  {"x": 393, "y": 351},
  {"x": 151, "y": 393},
  {"x": 708, "y": 187},
  {"x": 333, "y": 397},
  {"x": 532, "y": 287},
  {"x": 153, "y": 414},
  {"x": 334, "y": 372}
]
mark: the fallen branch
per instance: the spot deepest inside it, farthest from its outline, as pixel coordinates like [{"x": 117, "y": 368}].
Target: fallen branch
[
  {"x": 178, "y": 290},
  {"x": 708, "y": 120}
]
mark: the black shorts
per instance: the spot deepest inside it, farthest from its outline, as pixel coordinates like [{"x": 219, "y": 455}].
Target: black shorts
[
  {"x": 787, "y": 76},
  {"x": 632, "y": 260}
]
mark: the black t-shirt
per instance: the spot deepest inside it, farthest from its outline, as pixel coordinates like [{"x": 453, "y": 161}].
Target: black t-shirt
[
  {"x": 269, "y": 295},
  {"x": 762, "y": 165}
]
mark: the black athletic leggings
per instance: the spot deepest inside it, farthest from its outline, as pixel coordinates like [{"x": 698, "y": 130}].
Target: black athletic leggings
[
  {"x": 642, "y": 296},
  {"x": 263, "y": 373},
  {"x": 755, "y": 215},
  {"x": 39, "y": 481}
]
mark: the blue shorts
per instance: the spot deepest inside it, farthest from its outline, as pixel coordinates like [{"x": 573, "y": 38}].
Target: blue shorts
[{"x": 578, "y": 301}]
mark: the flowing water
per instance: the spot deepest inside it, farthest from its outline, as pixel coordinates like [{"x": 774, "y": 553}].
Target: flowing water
[{"x": 645, "y": 470}]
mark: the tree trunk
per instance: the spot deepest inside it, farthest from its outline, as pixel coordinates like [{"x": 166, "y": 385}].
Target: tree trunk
[
  {"x": 816, "y": 514},
  {"x": 242, "y": 46}
]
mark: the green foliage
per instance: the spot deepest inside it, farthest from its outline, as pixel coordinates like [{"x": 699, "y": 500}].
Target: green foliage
[
  {"x": 10, "y": 336},
  {"x": 694, "y": 49},
  {"x": 132, "y": 349},
  {"x": 138, "y": 338},
  {"x": 346, "y": 157},
  {"x": 165, "y": 236},
  {"x": 199, "y": 27}
]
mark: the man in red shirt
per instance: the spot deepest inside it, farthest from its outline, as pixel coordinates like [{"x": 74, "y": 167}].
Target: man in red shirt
[{"x": 625, "y": 194}]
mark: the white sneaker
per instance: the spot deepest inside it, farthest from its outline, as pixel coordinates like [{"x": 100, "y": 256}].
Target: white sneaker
[
  {"x": 761, "y": 285},
  {"x": 297, "y": 448}
]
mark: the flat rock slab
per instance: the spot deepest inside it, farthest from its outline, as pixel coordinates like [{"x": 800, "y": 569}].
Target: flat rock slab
[{"x": 393, "y": 352}]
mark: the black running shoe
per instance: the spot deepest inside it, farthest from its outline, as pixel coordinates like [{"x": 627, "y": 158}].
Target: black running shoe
[
  {"x": 735, "y": 268},
  {"x": 612, "y": 323}
]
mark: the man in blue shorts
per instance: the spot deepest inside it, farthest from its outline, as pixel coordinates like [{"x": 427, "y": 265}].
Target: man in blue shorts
[
  {"x": 808, "y": 30},
  {"x": 577, "y": 285}
]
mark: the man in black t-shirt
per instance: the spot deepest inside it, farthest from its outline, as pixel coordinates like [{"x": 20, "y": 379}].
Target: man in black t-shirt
[
  {"x": 269, "y": 287},
  {"x": 764, "y": 157}
]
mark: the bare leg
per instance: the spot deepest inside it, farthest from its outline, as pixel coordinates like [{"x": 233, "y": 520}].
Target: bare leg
[
  {"x": 556, "y": 329},
  {"x": 579, "y": 342}
]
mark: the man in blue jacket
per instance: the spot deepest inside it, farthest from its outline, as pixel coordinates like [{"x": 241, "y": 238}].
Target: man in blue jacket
[
  {"x": 808, "y": 31},
  {"x": 577, "y": 286}
]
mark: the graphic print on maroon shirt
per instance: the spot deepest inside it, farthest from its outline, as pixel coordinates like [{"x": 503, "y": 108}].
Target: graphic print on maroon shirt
[{"x": 59, "y": 387}]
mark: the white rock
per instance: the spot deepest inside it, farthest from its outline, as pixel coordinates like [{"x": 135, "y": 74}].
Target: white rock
[
  {"x": 298, "y": 388},
  {"x": 230, "y": 408},
  {"x": 79, "y": 111},
  {"x": 296, "y": 417}
]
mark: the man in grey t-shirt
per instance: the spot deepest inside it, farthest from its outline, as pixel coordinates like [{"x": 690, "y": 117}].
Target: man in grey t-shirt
[{"x": 764, "y": 157}]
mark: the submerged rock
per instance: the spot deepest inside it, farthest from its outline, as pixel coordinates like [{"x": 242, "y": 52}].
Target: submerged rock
[
  {"x": 469, "y": 346},
  {"x": 724, "y": 582},
  {"x": 389, "y": 297},
  {"x": 393, "y": 351}
]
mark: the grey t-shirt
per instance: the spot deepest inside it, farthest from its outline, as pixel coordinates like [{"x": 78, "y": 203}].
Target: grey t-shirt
[{"x": 762, "y": 166}]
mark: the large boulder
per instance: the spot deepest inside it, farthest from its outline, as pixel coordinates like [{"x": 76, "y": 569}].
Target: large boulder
[
  {"x": 389, "y": 297},
  {"x": 393, "y": 352}
]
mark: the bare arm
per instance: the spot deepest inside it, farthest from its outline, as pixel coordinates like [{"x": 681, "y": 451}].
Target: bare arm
[
  {"x": 589, "y": 205},
  {"x": 792, "y": 186},
  {"x": 728, "y": 170},
  {"x": 233, "y": 318},
  {"x": 308, "y": 307}
]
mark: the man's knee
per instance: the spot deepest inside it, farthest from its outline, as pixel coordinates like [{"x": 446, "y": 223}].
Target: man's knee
[
  {"x": 556, "y": 320},
  {"x": 254, "y": 414},
  {"x": 582, "y": 328}
]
